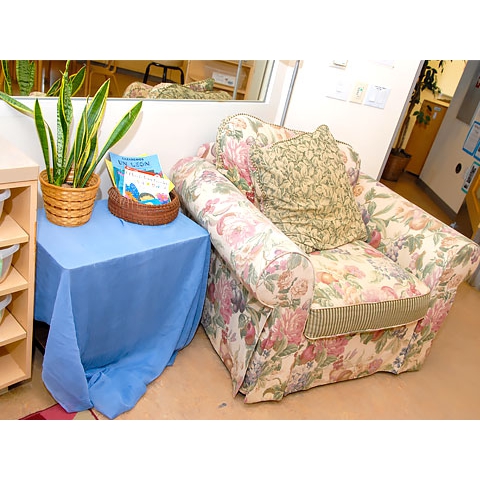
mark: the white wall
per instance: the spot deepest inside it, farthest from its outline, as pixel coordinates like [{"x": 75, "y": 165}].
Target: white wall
[
  {"x": 438, "y": 173},
  {"x": 368, "y": 129},
  {"x": 175, "y": 129}
]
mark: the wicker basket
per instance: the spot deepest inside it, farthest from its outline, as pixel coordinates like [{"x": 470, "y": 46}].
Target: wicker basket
[
  {"x": 66, "y": 206},
  {"x": 141, "y": 213}
]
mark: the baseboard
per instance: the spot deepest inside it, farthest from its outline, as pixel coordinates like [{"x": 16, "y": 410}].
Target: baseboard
[{"x": 448, "y": 210}]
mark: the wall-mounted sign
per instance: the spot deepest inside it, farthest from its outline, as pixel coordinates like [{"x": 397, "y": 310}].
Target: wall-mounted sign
[
  {"x": 472, "y": 141},
  {"x": 469, "y": 176}
]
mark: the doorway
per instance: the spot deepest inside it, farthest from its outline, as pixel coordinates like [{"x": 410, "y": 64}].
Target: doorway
[
  {"x": 427, "y": 116},
  {"x": 447, "y": 147}
]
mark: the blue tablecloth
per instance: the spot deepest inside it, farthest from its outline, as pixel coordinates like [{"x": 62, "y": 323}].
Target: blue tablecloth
[{"x": 121, "y": 300}]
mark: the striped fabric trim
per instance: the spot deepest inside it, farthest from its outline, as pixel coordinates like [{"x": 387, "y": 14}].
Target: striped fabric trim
[{"x": 350, "y": 319}]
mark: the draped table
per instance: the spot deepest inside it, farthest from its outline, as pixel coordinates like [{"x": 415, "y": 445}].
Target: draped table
[{"x": 120, "y": 300}]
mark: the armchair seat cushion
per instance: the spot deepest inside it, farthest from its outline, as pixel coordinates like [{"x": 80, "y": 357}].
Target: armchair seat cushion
[{"x": 358, "y": 289}]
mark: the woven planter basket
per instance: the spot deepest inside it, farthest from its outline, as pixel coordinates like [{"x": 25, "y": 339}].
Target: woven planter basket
[
  {"x": 66, "y": 206},
  {"x": 140, "y": 213}
]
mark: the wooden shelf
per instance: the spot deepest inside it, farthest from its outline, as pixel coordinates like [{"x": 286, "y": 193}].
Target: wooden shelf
[
  {"x": 13, "y": 282},
  {"x": 11, "y": 232},
  {"x": 12, "y": 372},
  {"x": 222, "y": 69},
  {"x": 18, "y": 226},
  {"x": 10, "y": 330}
]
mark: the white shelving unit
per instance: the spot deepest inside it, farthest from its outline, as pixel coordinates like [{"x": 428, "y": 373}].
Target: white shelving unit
[{"x": 18, "y": 223}]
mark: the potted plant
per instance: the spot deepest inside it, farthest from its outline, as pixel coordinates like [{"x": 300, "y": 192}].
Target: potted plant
[
  {"x": 70, "y": 167},
  {"x": 399, "y": 158}
]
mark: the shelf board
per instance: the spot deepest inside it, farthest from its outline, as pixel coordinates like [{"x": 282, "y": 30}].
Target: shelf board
[
  {"x": 10, "y": 371},
  {"x": 11, "y": 232},
  {"x": 15, "y": 165},
  {"x": 14, "y": 282},
  {"x": 10, "y": 330}
]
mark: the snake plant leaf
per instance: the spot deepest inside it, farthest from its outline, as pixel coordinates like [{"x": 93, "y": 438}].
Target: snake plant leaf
[
  {"x": 78, "y": 79},
  {"x": 7, "y": 82},
  {"x": 77, "y": 82},
  {"x": 118, "y": 133},
  {"x": 25, "y": 76},
  {"x": 64, "y": 121},
  {"x": 87, "y": 130},
  {"x": 16, "y": 104},
  {"x": 84, "y": 174},
  {"x": 47, "y": 144},
  {"x": 121, "y": 129}
]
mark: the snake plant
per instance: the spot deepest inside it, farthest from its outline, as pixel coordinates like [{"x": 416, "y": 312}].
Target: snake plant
[
  {"x": 82, "y": 156},
  {"x": 25, "y": 71},
  {"x": 25, "y": 74}
]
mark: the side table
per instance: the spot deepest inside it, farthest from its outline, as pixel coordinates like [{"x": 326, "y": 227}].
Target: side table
[{"x": 120, "y": 300}]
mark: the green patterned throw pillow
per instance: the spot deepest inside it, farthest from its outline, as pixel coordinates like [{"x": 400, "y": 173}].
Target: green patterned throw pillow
[{"x": 302, "y": 187}]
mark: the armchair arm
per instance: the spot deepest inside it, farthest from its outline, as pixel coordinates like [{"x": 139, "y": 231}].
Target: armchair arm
[
  {"x": 420, "y": 243},
  {"x": 267, "y": 262}
]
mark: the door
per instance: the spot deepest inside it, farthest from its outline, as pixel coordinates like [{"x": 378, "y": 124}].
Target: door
[
  {"x": 422, "y": 137},
  {"x": 472, "y": 198}
]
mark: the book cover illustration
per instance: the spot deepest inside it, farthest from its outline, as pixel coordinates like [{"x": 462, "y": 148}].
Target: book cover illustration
[
  {"x": 146, "y": 163},
  {"x": 146, "y": 187}
]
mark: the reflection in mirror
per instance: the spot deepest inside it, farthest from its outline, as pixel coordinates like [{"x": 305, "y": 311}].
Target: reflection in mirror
[{"x": 219, "y": 80}]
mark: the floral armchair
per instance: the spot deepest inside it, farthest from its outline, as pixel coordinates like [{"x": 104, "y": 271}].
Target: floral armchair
[
  {"x": 285, "y": 317},
  {"x": 200, "y": 90}
]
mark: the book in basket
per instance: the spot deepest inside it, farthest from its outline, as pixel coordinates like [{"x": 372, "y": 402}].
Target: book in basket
[
  {"x": 145, "y": 187},
  {"x": 147, "y": 163}
]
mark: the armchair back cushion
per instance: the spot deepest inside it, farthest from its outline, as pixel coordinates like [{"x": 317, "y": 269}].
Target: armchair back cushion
[
  {"x": 301, "y": 185},
  {"x": 203, "y": 89},
  {"x": 238, "y": 132}
]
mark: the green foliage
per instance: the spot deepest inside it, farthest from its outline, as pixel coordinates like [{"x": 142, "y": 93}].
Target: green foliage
[
  {"x": 7, "y": 82},
  {"x": 25, "y": 73},
  {"x": 83, "y": 155},
  {"x": 25, "y": 70},
  {"x": 422, "y": 117},
  {"x": 77, "y": 80}
]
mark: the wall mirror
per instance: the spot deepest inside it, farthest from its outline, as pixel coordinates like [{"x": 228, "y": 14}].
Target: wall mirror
[{"x": 232, "y": 79}]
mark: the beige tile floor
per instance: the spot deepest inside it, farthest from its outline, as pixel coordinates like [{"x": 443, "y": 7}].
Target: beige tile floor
[{"x": 197, "y": 386}]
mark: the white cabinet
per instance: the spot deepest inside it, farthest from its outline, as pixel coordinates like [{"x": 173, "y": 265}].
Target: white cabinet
[{"x": 18, "y": 226}]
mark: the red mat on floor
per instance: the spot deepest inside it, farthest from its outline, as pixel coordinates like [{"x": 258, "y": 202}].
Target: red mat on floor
[{"x": 58, "y": 413}]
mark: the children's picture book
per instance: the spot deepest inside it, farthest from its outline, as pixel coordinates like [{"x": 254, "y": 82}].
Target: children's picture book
[
  {"x": 147, "y": 163},
  {"x": 145, "y": 187}
]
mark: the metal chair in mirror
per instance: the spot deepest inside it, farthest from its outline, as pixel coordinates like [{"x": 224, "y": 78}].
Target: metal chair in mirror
[{"x": 165, "y": 74}]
